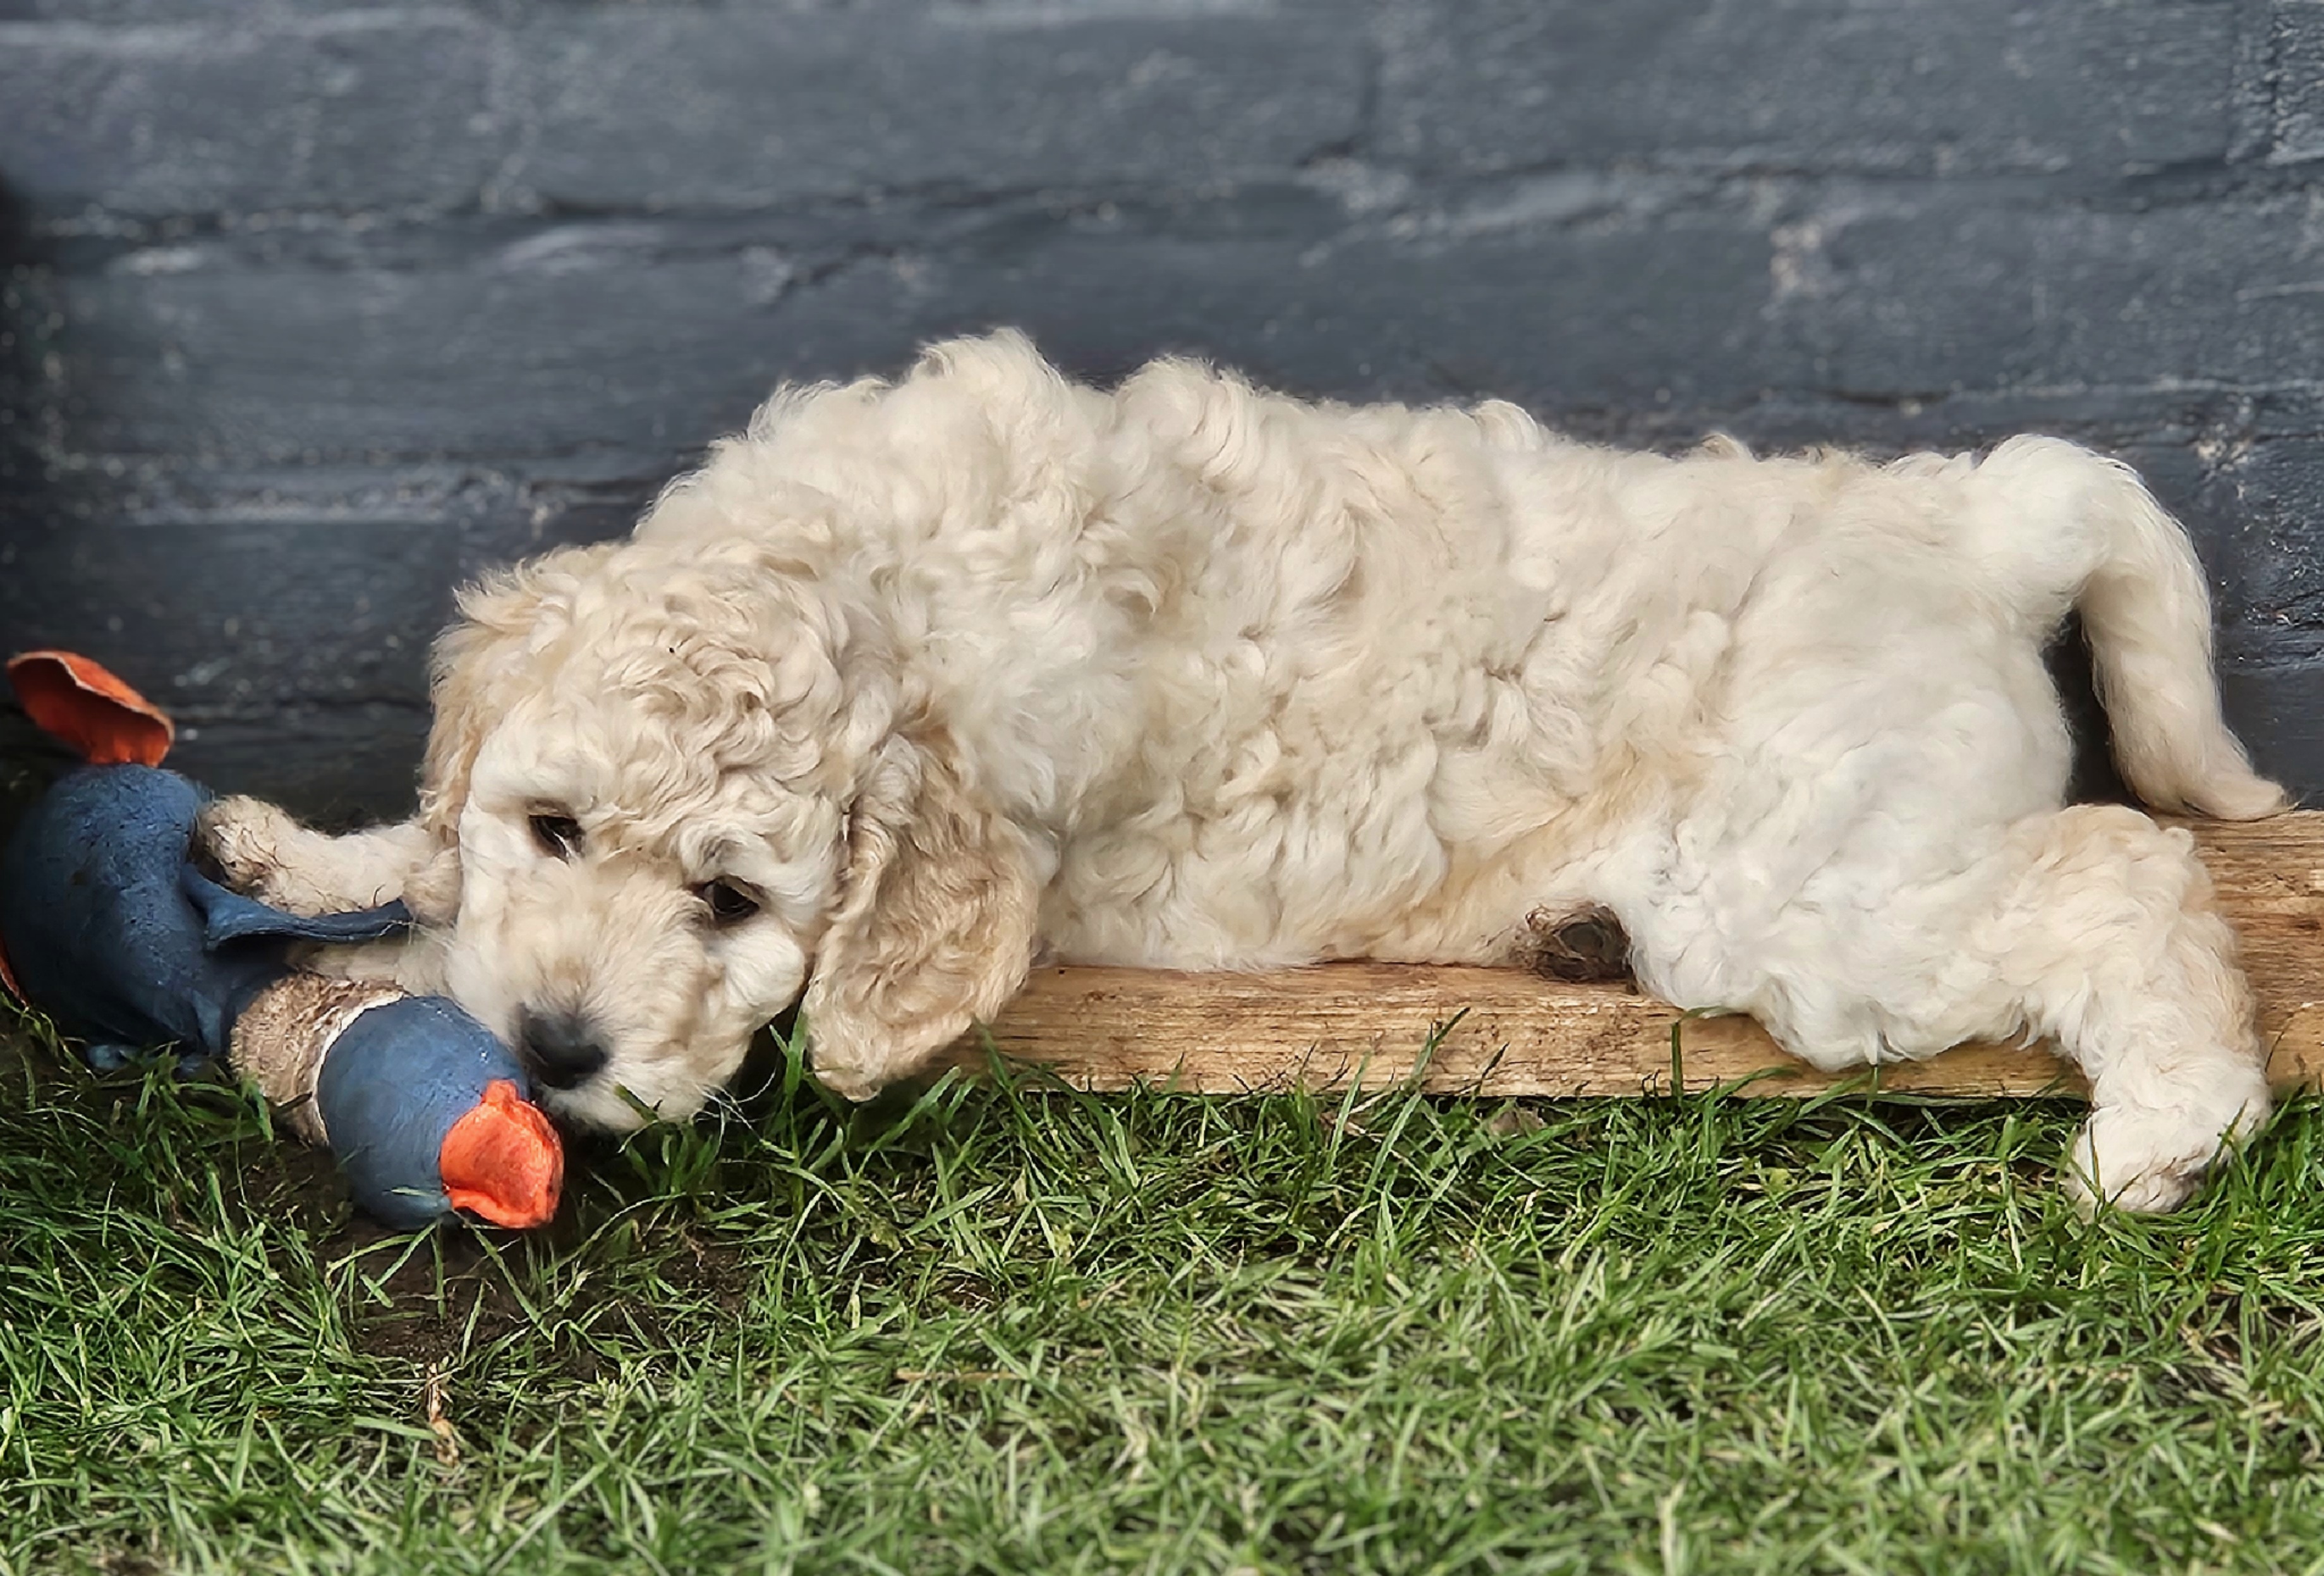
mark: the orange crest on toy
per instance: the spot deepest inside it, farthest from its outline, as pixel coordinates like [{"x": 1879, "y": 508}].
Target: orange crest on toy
[{"x": 81, "y": 702}]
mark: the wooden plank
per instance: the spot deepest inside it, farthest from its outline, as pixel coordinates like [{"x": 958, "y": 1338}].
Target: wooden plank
[{"x": 1508, "y": 1032}]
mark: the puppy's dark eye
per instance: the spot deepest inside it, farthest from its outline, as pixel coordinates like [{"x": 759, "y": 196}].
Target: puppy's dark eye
[
  {"x": 729, "y": 904},
  {"x": 558, "y": 836}
]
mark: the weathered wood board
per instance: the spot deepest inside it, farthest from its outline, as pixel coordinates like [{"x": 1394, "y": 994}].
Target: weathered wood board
[{"x": 1512, "y": 1033}]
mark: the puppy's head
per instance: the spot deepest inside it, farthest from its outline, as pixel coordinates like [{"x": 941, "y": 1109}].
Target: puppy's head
[{"x": 673, "y": 790}]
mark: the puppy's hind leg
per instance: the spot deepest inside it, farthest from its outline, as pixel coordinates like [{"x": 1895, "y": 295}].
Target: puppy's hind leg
[
  {"x": 2111, "y": 945},
  {"x": 2091, "y": 925}
]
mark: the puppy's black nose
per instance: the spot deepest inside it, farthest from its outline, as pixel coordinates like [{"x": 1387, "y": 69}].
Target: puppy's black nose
[{"x": 562, "y": 1048}]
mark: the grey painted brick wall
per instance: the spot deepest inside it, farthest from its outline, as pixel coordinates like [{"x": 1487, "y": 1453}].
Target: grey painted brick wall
[{"x": 309, "y": 310}]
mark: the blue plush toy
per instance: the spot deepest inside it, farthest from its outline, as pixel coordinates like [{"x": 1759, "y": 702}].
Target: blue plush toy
[{"x": 107, "y": 927}]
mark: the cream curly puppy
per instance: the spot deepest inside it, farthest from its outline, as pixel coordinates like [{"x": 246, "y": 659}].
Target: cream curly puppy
[{"x": 914, "y": 683}]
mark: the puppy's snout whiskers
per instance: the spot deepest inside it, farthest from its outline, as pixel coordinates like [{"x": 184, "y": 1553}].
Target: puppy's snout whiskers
[{"x": 564, "y": 1049}]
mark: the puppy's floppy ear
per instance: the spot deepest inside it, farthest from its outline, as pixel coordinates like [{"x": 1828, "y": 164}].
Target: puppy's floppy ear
[
  {"x": 480, "y": 667},
  {"x": 936, "y": 923}
]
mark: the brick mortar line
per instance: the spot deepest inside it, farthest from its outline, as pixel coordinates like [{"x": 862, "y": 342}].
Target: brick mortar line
[{"x": 1435, "y": 199}]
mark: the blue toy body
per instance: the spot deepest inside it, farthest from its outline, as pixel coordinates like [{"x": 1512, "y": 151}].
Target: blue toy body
[
  {"x": 108, "y": 927},
  {"x": 396, "y": 1081},
  {"x": 111, "y": 929}
]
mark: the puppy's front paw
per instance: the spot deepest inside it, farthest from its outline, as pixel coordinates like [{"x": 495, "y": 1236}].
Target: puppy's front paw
[
  {"x": 243, "y": 839},
  {"x": 250, "y": 845}
]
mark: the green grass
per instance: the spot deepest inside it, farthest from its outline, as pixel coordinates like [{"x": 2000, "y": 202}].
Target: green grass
[{"x": 1001, "y": 1329}]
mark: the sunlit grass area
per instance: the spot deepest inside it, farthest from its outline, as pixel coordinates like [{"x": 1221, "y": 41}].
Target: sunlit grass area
[{"x": 1000, "y": 1328}]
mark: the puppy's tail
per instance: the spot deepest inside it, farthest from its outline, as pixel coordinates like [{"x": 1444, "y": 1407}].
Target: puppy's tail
[{"x": 2131, "y": 570}]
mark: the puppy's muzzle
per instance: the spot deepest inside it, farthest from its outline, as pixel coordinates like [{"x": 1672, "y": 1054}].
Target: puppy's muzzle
[{"x": 564, "y": 1049}]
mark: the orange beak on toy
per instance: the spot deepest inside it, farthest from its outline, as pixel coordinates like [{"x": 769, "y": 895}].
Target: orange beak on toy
[{"x": 502, "y": 1161}]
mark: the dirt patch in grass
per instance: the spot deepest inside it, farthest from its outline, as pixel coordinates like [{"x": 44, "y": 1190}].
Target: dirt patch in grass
[
  {"x": 461, "y": 1292},
  {"x": 296, "y": 1184},
  {"x": 439, "y": 1302}
]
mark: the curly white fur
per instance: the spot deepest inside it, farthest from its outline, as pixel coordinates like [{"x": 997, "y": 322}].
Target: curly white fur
[{"x": 984, "y": 665}]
